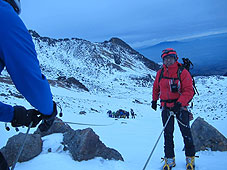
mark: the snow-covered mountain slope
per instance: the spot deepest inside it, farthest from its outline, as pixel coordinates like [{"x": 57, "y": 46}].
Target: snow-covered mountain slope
[
  {"x": 211, "y": 102},
  {"x": 96, "y": 65},
  {"x": 111, "y": 87},
  {"x": 133, "y": 138}
]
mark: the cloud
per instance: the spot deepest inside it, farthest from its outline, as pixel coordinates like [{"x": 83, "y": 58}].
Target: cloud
[{"x": 135, "y": 21}]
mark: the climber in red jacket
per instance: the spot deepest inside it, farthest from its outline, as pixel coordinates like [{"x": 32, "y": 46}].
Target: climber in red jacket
[{"x": 173, "y": 85}]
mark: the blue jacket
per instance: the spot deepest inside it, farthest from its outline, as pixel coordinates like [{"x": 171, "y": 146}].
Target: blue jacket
[{"x": 18, "y": 55}]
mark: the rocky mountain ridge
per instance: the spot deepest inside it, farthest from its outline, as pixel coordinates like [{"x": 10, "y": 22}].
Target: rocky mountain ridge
[{"x": 93, "y": 64}]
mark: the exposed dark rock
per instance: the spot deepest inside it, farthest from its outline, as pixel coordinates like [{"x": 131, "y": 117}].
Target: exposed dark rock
[
  {"x": 137, "y": 101},
  {"x": 206, "y": 136},
  {"x": 144, "y": 81},
  {"x": 82, "y": 113},
  {"x": 6, "y": 80},
  {"x": 32, "y": 147},
  {"x": 2, "y": 94},
  {"x": 82, "y": 144},
  {"x": 58, "y": 127},
  {"x": 94, "y": 110},
  {"x": 150, "y": 64},
  {"x": 117, "y": 59},
  {"x": 50, "y": 41},
  {"x": 69, "y": 82},
  {"x": 16, "y": 95},
  {"x": 85, "y": 145},
  {"x": 34, "y": 34},
  {"x": 120, "y": 42},
  {"x": 115, "y": 66},
  {"x": 61, "y": 78},
  {"x": 73, "y": 81}
]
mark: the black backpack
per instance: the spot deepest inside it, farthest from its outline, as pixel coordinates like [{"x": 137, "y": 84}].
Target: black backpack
[{"x": 187, "y": 64}]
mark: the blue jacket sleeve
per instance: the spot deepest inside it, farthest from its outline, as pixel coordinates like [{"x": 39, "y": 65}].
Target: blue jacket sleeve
[{"x": 17, "y": 53}]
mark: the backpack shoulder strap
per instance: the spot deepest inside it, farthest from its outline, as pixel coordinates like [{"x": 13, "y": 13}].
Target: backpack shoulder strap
[
  {"x": 179, "y": 71},
  {"x": 161, "y": 74}
]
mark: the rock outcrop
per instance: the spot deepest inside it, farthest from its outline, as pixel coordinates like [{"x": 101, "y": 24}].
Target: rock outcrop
[
  {"x": 85, "y": 144},
  {"x": 82, "y": 144},
  {"x": 206, "y": 136},
  {"x": 32, "y": 148}
]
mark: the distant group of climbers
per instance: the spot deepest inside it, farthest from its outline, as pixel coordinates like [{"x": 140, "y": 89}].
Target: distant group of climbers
[{"x": 121, "y": 114}]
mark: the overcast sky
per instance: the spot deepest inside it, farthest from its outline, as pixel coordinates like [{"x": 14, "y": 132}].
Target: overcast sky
[{"x": 137, "y": 22}]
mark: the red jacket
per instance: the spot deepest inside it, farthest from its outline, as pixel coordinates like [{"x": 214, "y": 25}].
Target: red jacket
[{"x": 162, "y": 89}]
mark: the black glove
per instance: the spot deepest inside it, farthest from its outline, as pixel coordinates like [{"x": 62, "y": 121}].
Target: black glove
[
  {"x": 3, "y": 163},
  {"x": 48, "y": 120},
  {"x": 23, "y": 117},
  {"x": 154, "y": 105},
  {"x": 176, "y": 107}
]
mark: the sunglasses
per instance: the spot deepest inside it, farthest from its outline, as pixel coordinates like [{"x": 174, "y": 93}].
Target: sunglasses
[{"x": 170, "y": 56}]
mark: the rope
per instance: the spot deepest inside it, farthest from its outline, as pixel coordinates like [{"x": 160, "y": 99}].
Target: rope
[
  {"x": 75, "y": 123},
  {"x": 171, "y": 114},
  {"x": 182, "y": 123}
]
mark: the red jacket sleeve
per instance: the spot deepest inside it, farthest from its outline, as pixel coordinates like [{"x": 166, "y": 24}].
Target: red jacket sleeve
[
  {"x": 187, "y": 91},
  {"x": 156, "y": 88}
]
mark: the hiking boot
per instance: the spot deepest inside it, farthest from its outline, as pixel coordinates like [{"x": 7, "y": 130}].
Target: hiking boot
[
  {"x": 169, "y": 163},
  {"x": 190, "y": 163}
]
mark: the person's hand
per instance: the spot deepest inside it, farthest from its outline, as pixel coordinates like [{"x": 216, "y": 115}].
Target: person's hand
[
  {"x": 154, "y": 105},
  {"x": 23, "y": 117},
  {"x": 48, "y": 120},
  {"x": 176, "y": 107}
]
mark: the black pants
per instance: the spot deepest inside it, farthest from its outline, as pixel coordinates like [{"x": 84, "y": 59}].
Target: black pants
[
  {"x": 183, "y": 117},
  {"x": 3, "y": 163}
]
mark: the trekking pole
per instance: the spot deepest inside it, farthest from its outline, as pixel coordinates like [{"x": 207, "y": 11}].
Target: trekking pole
[
  {"x": 22, "y": 146},
  {"x": 171, "y": 114}
]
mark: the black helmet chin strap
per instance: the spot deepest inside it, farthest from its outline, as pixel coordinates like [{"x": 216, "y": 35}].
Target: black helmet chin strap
[{"x": 15, "y": 4}]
